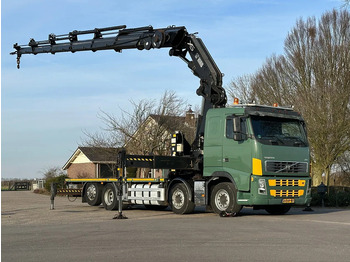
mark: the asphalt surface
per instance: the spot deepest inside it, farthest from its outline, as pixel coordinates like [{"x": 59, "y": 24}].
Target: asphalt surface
[{"x": 75, "y": 231}]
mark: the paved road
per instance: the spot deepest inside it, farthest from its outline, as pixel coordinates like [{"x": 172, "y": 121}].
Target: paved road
[{"x": 78, "y": 232}]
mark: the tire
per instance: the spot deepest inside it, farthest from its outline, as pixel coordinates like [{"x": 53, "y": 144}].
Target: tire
[
  {"x": 277, "y": 210},
  {"x": 223, "y": 198},
  {"x": 109, "y": 197},
  {"x": 180, "y": 200},
  {"x": 93, "y": 194}
]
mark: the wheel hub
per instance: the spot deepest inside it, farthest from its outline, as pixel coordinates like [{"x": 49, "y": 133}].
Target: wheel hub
[
  {"x": 91, "y": 192},
  {"x": 222, "y": 200},
  {"x": 109, "y": 197},
  {"x": 178, "y": 199}
]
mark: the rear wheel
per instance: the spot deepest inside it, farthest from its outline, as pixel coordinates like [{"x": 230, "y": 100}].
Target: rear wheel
[
  {"x": 109, "y": 197},
  {"x": 93, "y": 194},
  {"x": 277, "y": 210},
  {"x": 223, "y": 198},
  {"x": 180, "y": 200}
]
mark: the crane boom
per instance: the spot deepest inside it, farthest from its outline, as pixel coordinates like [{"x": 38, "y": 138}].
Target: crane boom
[{"x": 119, "y": 38}]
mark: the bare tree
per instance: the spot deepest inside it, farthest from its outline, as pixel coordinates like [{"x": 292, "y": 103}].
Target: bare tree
[
  {"x": 144, "y": 130},
  {"x": 343, "y": 163},
  {"x": 241, "y": 87},
  {"x": 313, "y": 75}
]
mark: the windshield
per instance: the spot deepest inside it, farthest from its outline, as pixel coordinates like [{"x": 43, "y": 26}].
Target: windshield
[{"x": 279, "y": 131}]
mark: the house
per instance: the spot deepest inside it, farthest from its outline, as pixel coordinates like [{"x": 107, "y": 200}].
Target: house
[
  {"x": 152, "y": 137},
  {"x": 92, "y": 162}
]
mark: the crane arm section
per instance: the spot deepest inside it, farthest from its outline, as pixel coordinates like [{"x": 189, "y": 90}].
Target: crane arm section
[{"x": 188, "y": 47}]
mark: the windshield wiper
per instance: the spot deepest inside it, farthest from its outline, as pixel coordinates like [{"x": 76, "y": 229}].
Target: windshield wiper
[
  {"x": 277, "y": 138},
  {"x": 299, "y": 140}
]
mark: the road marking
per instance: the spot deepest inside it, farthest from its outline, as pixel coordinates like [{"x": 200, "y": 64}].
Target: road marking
[{"x": 327, "y": 222}]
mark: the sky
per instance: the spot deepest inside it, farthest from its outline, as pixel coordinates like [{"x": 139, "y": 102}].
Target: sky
[{"x": 48, "y": 104}]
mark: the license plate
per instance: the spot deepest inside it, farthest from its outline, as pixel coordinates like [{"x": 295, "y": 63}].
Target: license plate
[{"x": 288, "y": 201}]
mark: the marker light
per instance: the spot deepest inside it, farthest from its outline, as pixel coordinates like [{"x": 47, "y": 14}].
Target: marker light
[
  {"x": 236, "y": 101},
  {"x": 275, "y": 105}
]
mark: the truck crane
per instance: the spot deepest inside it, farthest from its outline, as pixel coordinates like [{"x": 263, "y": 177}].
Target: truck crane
[{"x": 243, "y": 155}]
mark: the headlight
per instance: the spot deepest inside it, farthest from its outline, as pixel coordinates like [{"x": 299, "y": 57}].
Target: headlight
[{"x": 262, "y": 187}]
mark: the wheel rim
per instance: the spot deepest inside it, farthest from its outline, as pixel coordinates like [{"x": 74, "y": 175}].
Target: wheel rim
[
  {"x": 178, "y": 199},
  {"x": 222, "y": 200},
  {"x": 91, "y": 192},
  {"x": 109, "y": 197}
]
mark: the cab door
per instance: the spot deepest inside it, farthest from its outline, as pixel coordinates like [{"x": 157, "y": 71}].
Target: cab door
[{"x": 237, "y": 154}]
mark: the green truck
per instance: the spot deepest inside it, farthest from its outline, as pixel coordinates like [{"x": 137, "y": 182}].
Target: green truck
[{"x": 243, "y": 155}]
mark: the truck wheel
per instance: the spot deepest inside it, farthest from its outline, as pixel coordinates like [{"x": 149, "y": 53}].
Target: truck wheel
[
  {"x": 93, "y": 194},
  {"x": 223, "y": 198},
  {"x": 109, "y": 197},
  {"x": 180, "y": 200},
  {"x": 277, "y": 210}
]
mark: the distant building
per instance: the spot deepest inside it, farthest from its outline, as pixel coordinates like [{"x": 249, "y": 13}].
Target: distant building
[
  {"x": 92, "y": 162},
  {"x": 152, "y": 137}
]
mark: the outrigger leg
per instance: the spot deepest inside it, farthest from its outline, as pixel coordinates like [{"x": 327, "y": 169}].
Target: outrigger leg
[
  {"x": 122, "y": 162},
  {"x": 120, "y": 215},
  {"x": 227, "y": 214}
]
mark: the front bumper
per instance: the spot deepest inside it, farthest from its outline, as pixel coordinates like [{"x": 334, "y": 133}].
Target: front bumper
[{"x": 277, "y": 191}]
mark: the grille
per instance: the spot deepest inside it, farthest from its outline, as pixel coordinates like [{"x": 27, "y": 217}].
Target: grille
[
  {"x": 286, "y": 182},
  {"x": 285, "y": 167},
  {"x": 286, "y": 193}
]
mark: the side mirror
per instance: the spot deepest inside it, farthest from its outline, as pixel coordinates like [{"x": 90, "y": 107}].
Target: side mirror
[{"x": 237, "y": 129}]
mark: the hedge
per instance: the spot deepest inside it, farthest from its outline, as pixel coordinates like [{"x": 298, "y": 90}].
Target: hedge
[{"x": 337, "y": 197}]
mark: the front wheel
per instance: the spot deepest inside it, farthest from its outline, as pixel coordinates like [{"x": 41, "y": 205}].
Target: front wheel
[
  {"x": 277, "y": 210},
  {"x": 180, "y": 200},
  {"x": 223, "y": 198}
]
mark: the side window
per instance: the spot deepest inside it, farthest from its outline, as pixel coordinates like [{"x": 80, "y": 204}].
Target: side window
[{"x": 229, "y": 128}]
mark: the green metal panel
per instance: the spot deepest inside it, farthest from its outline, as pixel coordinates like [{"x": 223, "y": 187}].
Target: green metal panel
[
  {"x": 225, "y": 154},
  {"x": 284, "y": 154},
  {"x": 237, "y": 161},
  {"x": 213, "y": 142}
]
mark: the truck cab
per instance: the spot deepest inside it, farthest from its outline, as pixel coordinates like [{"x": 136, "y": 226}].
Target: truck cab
[{"x": 262, "y": 152}]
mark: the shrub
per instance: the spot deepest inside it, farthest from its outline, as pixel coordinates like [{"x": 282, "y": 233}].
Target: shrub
[
  {"x": 337, "y": 197},
  {"x": 40, "y": 191},
  {"x": 59, "y": 180}
]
